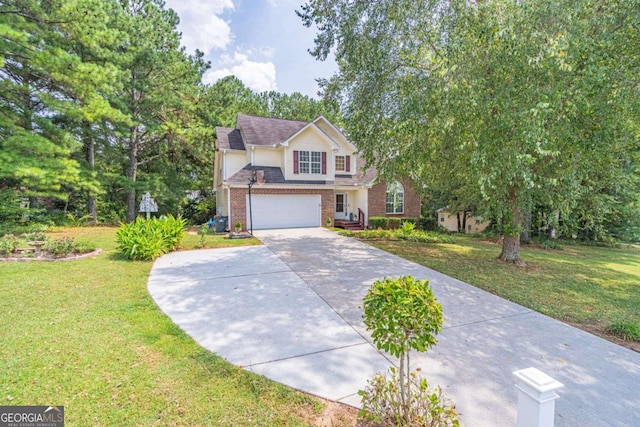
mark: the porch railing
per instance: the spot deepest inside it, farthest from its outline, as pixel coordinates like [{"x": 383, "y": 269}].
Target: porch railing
[{"x": 361, "y": 219}]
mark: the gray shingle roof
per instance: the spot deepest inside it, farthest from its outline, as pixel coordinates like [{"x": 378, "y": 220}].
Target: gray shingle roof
[
  {"x": 272, "y": 175},
  {"x": 361, "y": 177},
  {"x": 266, "y": 130},
  {"x": 229, "y": 139}
]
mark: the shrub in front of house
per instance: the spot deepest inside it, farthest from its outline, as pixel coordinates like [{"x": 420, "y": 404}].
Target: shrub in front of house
[
  {"x": 367, "y": 234},
  {"x": 394, "y": 223},
  {"x": 376, "y": 222},
  {"x": 389, "y": 223},
  {"x": 428, "y": 237},
  {"x": 406, "y": 232},
  {"x": 144, "y": 240}
]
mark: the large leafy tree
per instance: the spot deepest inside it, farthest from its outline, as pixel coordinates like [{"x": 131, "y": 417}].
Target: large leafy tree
[{"x": 521, "y": 103}]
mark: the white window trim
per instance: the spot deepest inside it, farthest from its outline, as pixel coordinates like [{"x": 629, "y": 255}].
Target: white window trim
[
  {"x": 395, "y": 202},
  {"x": 309, "y": 163}
]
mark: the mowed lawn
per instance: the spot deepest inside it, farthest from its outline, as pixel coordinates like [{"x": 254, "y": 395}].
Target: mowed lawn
[
  {"x": 590, "y": 287},
  {"x": 86, "y": 334}
]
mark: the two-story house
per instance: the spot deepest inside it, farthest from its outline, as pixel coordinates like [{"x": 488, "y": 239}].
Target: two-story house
[{"x": 304, "y": 173}]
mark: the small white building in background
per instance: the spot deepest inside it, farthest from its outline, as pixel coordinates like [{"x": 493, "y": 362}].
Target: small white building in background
[{"x": 449, "y": 221}]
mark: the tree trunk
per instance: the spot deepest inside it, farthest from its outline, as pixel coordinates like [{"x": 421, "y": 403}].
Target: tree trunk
[
  {"x": 511, "y": 242},
  {"x": 458, "y": 217},
  {"x": 89, "y": 145},
  {"x": 464, "y": 221},
  {"x": 525, "y": 236},
  {"x": 511, "y": 249},
  {"x": 403, "y": 395},
  {"x": 131, "y": 174}
]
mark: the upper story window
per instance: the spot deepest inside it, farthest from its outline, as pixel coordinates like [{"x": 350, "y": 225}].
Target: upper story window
[
  {"x": 313, "y": 162},
  {"x": 395, "y": 198},
  {"x": 343, "y": 163}
]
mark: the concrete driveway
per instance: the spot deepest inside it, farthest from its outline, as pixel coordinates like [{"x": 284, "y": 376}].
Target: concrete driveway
[{"x": 290, "y": 310}]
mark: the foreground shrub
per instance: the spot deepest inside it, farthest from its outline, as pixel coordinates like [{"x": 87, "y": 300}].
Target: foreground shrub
[
  {"x": 403, "y": 314},
  {"x": 144, "y": 240},
  {"x": 382, "y": 403}
]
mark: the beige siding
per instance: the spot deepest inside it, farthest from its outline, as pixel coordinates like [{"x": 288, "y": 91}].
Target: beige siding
[
  {"x": 310, "y": 139},
  {"x": 267, "y": 157},
  {"x": 448, "y": 221},
  {"x": 358, "y": 200},
  {"x": 222, "y": 198},
  {"x": 234, "y": 162},
  {"x": 474, "y": 224},
  {"x": 332, "y": 133},
  {"x": 352, "y": 161}
]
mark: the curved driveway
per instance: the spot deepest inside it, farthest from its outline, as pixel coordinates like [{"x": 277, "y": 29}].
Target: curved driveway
[{"x": 290, "y": 310}]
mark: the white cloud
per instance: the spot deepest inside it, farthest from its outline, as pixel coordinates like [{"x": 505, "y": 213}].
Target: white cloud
[
  {"x": 259, "y": 76},
  {"x": 279, "y": 3},
  {"x": 200, "y": 24}
]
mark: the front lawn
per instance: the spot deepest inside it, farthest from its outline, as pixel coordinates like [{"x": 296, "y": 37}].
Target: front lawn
[
  {"x": 86, "y": 334},
  {"x": 589, "y": 287}
]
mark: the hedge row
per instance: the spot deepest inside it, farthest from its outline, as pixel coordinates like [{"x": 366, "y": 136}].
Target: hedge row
[{"x": 387, "y": 223}]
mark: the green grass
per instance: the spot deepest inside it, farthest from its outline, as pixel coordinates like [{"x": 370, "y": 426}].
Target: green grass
[
  {"x": 586, "y": 286},
  {"x": 628, "y": 330},
  {"x": 86, "y": 334}
]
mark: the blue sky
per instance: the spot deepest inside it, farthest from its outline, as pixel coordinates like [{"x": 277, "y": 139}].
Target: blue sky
[{"x": 262, "y": 42}]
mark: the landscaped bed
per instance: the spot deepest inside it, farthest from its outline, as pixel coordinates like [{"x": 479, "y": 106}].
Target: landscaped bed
[{"x": 39, "y": 246}]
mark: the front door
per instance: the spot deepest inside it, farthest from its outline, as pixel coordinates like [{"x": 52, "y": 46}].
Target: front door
[{"x": 341, "y": 206}]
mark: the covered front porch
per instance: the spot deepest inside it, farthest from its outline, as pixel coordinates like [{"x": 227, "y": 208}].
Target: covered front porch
[{"x": 350, "y": 209}]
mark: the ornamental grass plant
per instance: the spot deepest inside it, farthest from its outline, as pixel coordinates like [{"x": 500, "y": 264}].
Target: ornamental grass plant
[{"x": 147, "y": 239}]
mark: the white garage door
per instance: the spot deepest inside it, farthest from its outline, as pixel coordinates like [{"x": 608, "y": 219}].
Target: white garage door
[{"x": 284, "y": 211}]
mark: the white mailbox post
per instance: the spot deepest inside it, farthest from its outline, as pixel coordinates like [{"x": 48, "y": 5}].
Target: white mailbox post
[
  {"x": 536, "y": 398},
  {"x": 147, "y": 204}
]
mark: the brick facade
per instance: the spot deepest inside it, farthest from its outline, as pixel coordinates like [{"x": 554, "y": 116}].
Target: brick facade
[
  {"x": 239, "y": 202},
  {"x": 378, "y": 200}
]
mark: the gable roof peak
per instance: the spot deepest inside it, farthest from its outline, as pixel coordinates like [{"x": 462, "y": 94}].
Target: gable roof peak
[{"x": 266, "y": 131}]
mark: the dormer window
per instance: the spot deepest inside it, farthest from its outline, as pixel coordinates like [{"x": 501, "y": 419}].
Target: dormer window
[{"x": 343, "y": 163}]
